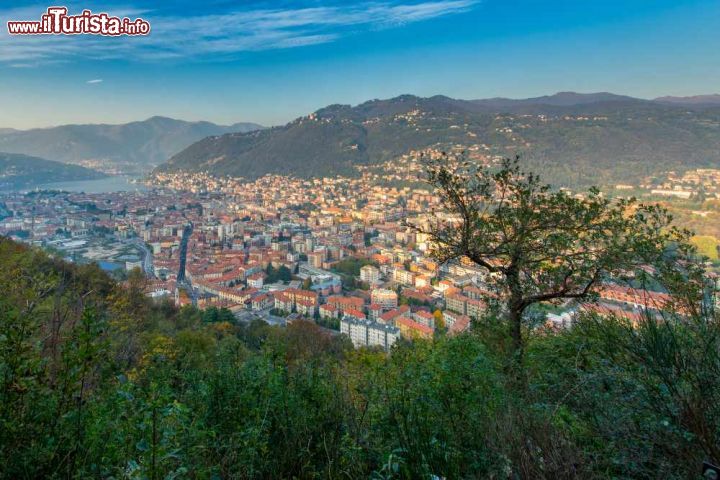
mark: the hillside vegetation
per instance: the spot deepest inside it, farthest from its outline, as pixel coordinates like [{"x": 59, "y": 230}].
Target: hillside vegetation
[
  {"x": 97, "y": 382},
  {"x": 22, "y": 171},
  {"x": 575, "y": 140}
]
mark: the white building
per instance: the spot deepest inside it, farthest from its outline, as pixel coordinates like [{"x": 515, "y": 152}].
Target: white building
[
  {"x": 402, "y": 276},
  {"x": 364, "y": 333},
  {"x": 370, "y": 274},
  {"x": 387, "y": 299}
]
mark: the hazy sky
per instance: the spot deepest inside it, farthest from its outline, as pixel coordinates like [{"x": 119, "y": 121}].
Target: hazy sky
[{"x": 269, "y": 62}]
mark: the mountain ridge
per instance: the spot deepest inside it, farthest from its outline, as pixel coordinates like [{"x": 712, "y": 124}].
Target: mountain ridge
[
  {"x": 133, "y": 147},
  {"x": 699, "y": 100},
  {"x": 559, "y": 99},
  {"x": 24, "y": 171},
  {"x": 578, "y": 139}
]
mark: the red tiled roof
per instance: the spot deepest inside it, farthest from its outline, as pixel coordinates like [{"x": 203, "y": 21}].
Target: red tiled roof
[
  {"x": 355, "y": 313},
  {"x": 414, "y": 325},
  {"x": 462, "y": 322}
]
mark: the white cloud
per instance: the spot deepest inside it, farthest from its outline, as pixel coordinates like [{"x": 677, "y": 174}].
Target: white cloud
[
  {"x": 95, "y": 80},
  {"x": 221, "y": 35}
]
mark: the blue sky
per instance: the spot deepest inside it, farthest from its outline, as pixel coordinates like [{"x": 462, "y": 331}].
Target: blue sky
[{"x": 269, "y": 62}]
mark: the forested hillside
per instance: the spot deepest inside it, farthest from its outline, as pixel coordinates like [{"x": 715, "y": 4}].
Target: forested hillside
[
  {"x": 574, "y": 139},
  {"x": 134, "y": 146},
  {"x": 22, "y": 171},
  {"x": 98, "y": 382}
]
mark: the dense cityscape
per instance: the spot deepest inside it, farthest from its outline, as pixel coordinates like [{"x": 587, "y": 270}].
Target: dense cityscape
[{"x": 343, "y": 252}]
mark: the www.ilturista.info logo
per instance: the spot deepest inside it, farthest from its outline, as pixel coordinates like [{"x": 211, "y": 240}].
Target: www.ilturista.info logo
[{"x": 56, "y": 21}]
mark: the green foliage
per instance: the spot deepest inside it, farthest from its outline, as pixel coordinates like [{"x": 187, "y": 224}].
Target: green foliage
[
  {"x": 351, "y": 266},
  {"x": 23, "y": 171},
  {"x": 610, "y": 146},
  {"x": 282, "y": 274},
  {"x": 707, "y": 245},
  {"x": 545, "y": 245},
  {"x": 331, "y": 323},
  {"x": 99, "y": 382},
  {"x": 217, "y": 315},
  {"x": 442, "y": 398},
  {"x": 349, "y": 270},
  {"x": 413, "y": 302},
  {"x": 648, "y": 388}
]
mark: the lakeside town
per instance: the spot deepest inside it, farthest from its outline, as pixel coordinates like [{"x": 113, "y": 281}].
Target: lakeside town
[{"x": 342, "y": 252}]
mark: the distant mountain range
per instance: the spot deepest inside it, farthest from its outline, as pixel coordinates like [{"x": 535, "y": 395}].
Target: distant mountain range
[
  {"x": 698, "y": 100},
  {"x": 572, "y": 138},
  {"x": 131, "y": 147},
  {"x": 560, "y": 99},
  {"x": 22, "y": 171}
]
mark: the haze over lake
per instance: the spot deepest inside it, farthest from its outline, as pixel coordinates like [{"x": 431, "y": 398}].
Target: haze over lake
[{"x": 115, "y": 183}]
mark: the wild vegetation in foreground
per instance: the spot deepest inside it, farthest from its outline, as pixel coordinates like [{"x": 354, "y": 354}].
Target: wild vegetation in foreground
[{"x": 99, "y": 382}]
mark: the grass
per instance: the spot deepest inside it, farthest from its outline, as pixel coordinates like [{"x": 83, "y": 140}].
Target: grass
[{"x": 707, "y": 245}]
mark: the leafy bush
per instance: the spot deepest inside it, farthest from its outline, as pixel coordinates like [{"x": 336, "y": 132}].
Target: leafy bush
[{"x": 99, "y": 382}]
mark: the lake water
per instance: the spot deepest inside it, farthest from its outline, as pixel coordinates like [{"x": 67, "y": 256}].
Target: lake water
[{"x": 116, "y": 183}]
